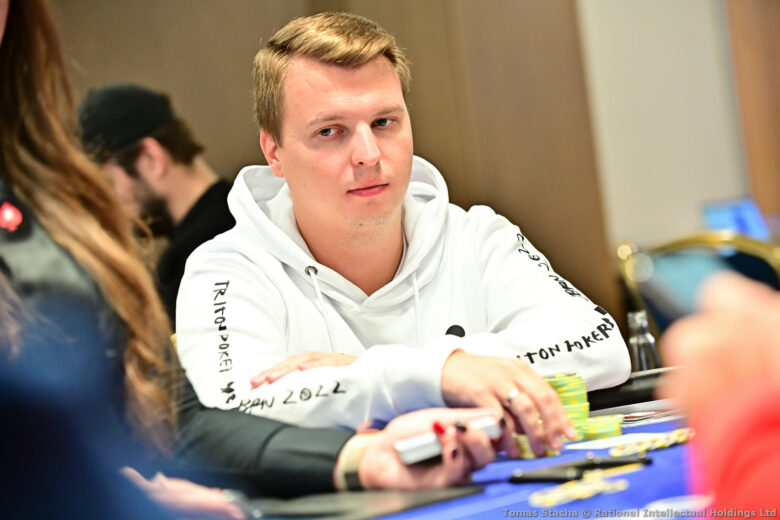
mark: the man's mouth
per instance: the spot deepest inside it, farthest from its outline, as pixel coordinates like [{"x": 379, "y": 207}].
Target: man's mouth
[{"x": 369, "y": 191}]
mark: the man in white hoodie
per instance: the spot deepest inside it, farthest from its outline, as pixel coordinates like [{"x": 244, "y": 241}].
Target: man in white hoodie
[{"x": 348, "y": 256}]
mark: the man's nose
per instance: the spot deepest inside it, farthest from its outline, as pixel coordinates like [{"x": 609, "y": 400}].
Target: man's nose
[{"x": 365, "y": 150}]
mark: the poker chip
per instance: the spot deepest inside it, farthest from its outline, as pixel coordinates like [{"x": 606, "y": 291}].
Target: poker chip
[
  {"x": 657, "y": 442},
  {"x": 577, "y": 412},
  {"x": 573, "y": 394},
  {"x": 601, "y": 427},
  {"x": 587, "y": 487},
  {"x": 524, "y": 447}
]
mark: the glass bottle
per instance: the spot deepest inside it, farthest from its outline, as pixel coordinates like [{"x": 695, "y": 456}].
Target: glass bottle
[{"x": 641, "y": 344}]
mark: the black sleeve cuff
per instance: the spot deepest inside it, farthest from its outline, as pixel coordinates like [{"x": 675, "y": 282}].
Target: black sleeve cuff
[{"x": 257, "y": 455}]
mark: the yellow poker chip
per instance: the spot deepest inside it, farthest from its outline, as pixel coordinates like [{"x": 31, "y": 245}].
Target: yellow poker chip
[
  {"x": 572, "y": 400},
  {"x": 562, "y": 375},
  {"x": 524, "y": 446},
  {"x": 573, "y": 391},
  {"x": 570, "y": 383},
  {"x": 584, "y": 488},
  {"x": 577, "y": 411},
  {"x": 660, "y": 441},
  {"x": 601, "y": 427}
]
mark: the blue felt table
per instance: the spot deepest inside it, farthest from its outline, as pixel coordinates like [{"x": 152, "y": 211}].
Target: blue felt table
[{"x": 664, "y": 478}]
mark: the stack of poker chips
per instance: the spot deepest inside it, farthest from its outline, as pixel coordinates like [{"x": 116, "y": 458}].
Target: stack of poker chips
[
  {"x": 574, "y": 397},
  {"x": 600, "y": 427},
  {"x": 525, "y": 448},
  {"x": 588, "y": 486},
  {"x": 656, "y": 442}
]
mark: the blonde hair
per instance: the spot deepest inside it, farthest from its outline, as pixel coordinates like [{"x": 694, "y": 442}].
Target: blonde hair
[
  {"x": 45, "y": 167},
  {"x": 340, "y": 39}
]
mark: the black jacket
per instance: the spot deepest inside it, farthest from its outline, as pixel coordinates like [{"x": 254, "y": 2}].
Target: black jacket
[{"x": 207, "y": 218}]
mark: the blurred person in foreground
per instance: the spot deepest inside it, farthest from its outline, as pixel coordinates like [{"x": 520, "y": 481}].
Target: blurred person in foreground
[
  {"x": 729, "y": 382},
  {"x": 157, "y": 169},
  {"x": 85, "y": 362}
]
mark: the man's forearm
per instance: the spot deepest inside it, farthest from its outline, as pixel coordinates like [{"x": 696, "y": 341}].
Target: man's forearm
[{"x": 385, "y": 381}]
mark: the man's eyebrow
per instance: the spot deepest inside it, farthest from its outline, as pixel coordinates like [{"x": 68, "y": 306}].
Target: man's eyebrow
[
  {"x": 391, "y": 109},
  {"x": 327, "y": 117}
]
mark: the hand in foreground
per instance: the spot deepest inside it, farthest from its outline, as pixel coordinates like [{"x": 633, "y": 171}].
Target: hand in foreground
[
  {"x": 462, "y": 451},
  {"x": 735, "y": 339},
  {"x": 303, "y": 361},
  {"x": 183, "y": 497},
  {"x": 511, "y": 385}
]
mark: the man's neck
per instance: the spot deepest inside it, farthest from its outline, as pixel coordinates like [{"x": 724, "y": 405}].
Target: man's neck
[
  {"x": 368, "y": 257},
  {"x": 192, "y": 181}
]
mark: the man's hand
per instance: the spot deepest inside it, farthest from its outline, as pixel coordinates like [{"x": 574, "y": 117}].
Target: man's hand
[
  {"x": 734, "y": 340},
  {"x": 511, "y": 385},
  {"x": 185, "y": 498},
  {"x": 303, "y": 361},
  {"x": 462, "y": 451}
]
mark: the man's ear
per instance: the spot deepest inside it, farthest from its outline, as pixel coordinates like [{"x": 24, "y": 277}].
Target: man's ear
[
  {"x": 153, "y": 162},
  {"x": 271, "y": 152}
]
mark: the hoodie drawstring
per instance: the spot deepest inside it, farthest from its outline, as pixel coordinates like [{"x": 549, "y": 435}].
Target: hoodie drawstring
[
  {"x": 416, "y": 309},
  {"x": 311, "y": 271}
]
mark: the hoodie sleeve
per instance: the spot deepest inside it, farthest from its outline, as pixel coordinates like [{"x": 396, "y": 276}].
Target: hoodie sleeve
[
  {"x": 535, "y": 314},
  {"x": 231, "y": 324}
]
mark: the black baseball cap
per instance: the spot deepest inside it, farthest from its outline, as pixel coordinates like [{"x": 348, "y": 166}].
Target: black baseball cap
[{"x": 115, "y": 116}]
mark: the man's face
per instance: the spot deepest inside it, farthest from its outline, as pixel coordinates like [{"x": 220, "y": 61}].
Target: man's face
[
  {"x": 130, "y": 191},
  {"x": 138, "y": 200},
  {"x": 347, "y": 143}
]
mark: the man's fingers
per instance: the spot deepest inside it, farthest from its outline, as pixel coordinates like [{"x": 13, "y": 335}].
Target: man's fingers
[
  {"x": 556, "y": 422},
  {"x": 274, "y": 373},
  {"x": 507, "y": 441},
  {"x": 304, "y": 361},
  {"x": 526, "y": 415},
  {"x": 282, "y": 368},
  {"x": 327, "y": 360},
  {"x": 280, "y": 373}
]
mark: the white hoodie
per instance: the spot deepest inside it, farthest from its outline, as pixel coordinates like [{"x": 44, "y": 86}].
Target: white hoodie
[{"x": 255, "y": 295}]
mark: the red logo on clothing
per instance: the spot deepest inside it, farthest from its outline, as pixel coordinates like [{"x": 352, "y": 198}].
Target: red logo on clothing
[{"x": 10, "y": 216}]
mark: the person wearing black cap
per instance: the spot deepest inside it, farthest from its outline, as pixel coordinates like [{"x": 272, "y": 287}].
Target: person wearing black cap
[{"x": 158, "y": 172}]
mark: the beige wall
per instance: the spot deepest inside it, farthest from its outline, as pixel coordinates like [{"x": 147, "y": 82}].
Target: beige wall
[
  {"x": 498, "y": 103},
  {"x": 498, "y": 98},
  {"x": 664, "y": 113},
  {"x": 199, "y": 51}
]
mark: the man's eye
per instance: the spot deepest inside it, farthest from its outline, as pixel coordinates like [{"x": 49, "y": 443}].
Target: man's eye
[
  {"x": 383, "y": 121},
  {"x": 327, "y": 132}
]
